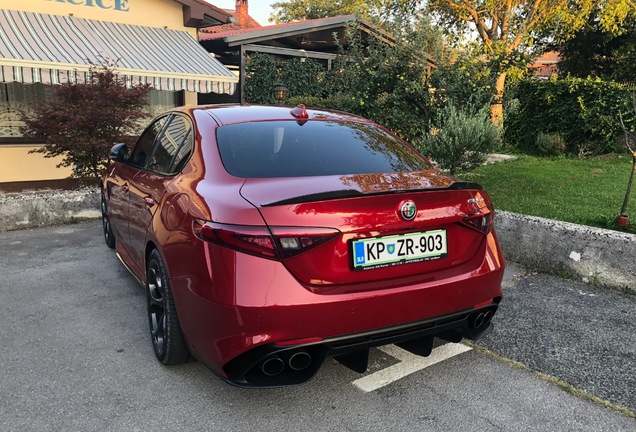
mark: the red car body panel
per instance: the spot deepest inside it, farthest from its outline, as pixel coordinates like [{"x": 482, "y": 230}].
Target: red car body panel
[{"x": 231, "y": 303}]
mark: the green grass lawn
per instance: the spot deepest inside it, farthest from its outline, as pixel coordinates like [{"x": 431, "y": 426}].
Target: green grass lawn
[{"x": 587, "y": 192}]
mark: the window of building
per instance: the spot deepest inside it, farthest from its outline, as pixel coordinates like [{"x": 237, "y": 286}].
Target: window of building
[
  {"x": 161, "y": 101},
  {"x": 16, "y": 98}
]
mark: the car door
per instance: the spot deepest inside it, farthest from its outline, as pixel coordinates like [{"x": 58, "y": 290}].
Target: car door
[
  {"x": 117, "y": 185},
  {"x": 172, "y": 146},
  {"x": 120, "y": 191}
]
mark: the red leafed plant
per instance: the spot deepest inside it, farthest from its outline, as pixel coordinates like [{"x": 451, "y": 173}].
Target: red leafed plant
[{"x": 83, "y": 120}]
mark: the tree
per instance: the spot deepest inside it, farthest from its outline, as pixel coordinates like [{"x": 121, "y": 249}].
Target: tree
[
  {"x": 84, "y": 120},
  {"x": 596, "y": 52},
  {"x": 299, "y": 10},
  {"x": 373, "y": 10},
  {"x": 507, "y": 28},
  {"x": 630, "y": 142}
]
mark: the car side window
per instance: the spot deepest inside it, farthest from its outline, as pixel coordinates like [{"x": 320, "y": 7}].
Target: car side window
[
  {"x": 183, "y": 154},
  {"x": 139, "y": 155},
  {"x": 173, "y": 147}
]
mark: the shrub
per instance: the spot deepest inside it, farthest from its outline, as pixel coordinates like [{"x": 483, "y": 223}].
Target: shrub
[
  {"x": 386, "y": 83},
  {"x": 467, "y": 81},
  {"x": 550, "y": 144},
  {"x": 583, "y": 111},
  {"x": 463, "y": 140},
  {"x": 84, "y": 120}
]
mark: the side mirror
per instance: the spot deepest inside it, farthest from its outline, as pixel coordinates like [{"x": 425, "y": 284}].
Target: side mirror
[{"x": 119, "y": 153}]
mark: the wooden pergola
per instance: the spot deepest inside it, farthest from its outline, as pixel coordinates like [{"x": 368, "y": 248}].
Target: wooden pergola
[{"x": 317, "y": 39}]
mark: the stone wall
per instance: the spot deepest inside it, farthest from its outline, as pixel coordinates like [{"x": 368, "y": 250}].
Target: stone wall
[
  {"x": 595, "y": 255},
  {"x": 36, "y": 209}
]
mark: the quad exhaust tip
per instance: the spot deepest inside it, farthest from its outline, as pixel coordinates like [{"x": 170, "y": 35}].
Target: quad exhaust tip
[
  {"x": 273, "y": 366},
  {"x": 481, "y": 319},
  {"x": 299, "y": 361}
]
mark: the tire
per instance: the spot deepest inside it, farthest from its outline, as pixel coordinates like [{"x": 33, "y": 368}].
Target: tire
[
  {"x": 165, "y": 330},
  {"x": 109, "y": 237}
]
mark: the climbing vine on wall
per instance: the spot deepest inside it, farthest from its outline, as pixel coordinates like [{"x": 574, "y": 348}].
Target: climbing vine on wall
[{"x": 303, "y": 77}]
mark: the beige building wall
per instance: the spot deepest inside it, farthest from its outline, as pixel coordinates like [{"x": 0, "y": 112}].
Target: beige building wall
[
  {"x": 190, "y": 99},
  {"x": 16, "y": 163},
  {"x": 152, "y": 13}
]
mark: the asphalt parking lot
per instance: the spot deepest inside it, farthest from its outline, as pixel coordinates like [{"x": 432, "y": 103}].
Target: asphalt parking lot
[{"x": 76, "y": 356}]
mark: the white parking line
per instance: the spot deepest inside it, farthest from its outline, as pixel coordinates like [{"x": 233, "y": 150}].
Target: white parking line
[{"x": 409, "y": 363}]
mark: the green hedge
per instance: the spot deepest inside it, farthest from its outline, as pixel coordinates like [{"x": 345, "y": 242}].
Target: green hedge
[
  {"x": 336, "y": 102},
  {"x": 303, "y": 77},
  {"x": 260, "y": 78},
  {"x": 585, "y": 112}
]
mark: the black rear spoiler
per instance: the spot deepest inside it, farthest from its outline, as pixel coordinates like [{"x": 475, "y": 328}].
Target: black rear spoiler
[{"x": 354, "y": 193}]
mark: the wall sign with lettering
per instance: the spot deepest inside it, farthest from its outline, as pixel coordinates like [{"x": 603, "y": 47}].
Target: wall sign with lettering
[{"x": 118, "y": 5}]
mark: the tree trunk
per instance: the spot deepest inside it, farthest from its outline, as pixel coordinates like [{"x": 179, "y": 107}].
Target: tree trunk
[
  {"x": 496, "y": 108},
  {"x": 629, "y": 186}
]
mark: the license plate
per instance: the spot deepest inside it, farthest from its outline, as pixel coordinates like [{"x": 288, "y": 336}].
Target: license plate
[{"x": 399, "y": 249}]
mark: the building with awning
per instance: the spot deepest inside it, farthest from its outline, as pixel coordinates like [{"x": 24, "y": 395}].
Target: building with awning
[
  {"x": 44, "y": 42},
  {"x": 51, "y": 49}
]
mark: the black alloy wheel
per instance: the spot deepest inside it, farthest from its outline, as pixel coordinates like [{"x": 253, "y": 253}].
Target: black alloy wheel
[
  {"x": 165, "y": 330},
  {"x": 109, "y": 238}
]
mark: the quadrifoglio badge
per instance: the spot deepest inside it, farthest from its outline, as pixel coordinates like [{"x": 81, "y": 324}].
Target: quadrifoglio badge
[{"x": 408, "y": 210}]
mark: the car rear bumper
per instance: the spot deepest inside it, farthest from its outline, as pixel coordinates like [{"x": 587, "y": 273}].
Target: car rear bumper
[
  {"x": 235, "y": 324},
  {"x": 274, "y": 365}
]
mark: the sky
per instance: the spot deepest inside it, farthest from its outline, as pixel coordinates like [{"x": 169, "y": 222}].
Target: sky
[{"x": 259, "y": 9}]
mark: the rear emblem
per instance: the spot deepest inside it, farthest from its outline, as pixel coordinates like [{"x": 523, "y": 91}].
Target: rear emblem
[{"x": 408, "y": 210}]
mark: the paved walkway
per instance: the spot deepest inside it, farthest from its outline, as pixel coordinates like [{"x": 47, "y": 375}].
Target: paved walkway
[
  {"x": 579, "y": 333},
  {"x": 76, "y": 355}
]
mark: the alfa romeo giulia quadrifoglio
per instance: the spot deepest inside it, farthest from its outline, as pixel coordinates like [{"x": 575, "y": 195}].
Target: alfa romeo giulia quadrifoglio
[{"x": 270, "y": 238}]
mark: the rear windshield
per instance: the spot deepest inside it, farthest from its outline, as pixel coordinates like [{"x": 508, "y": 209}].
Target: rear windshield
[{"x": 315, "y": 148}]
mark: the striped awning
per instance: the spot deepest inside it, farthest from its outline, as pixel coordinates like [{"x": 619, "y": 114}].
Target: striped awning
[{"x": 53, "y": 49}]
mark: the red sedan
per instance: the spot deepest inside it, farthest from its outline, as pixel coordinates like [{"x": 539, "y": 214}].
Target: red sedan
[{"x": 269, "y": 238}]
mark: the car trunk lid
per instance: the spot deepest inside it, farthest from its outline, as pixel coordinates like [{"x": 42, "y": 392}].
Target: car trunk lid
[{"x": 363, "y": 208}]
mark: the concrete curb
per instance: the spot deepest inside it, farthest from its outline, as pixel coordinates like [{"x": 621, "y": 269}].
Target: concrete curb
[
  {"x": 593, "y": 255},
  {"x": 42, "y": 208}
]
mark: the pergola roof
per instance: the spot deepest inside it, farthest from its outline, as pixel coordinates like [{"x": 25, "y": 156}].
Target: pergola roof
[{"x": 311, "y": 35}]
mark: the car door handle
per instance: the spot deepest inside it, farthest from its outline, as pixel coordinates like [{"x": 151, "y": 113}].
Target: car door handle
[{"x": 150, "y": 201}]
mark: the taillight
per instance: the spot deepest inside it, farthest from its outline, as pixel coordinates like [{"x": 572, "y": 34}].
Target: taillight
[
  {"x": 254, "y": 240},
  {"x": 279, "y": 243},
  {"x": 295, "y": 240},
  {"x": 481, "y": 219}
]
